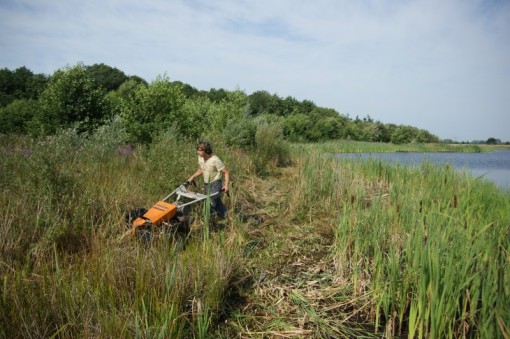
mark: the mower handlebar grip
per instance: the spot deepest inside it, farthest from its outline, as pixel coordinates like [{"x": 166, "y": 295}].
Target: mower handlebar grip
[{"x": 192, "y": 182}]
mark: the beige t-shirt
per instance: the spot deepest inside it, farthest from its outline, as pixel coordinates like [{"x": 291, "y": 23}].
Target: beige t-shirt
[{"x": 211, "y": 169}]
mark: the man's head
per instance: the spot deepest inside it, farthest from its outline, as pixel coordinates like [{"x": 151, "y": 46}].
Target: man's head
[{"x": 204, "y": 146}]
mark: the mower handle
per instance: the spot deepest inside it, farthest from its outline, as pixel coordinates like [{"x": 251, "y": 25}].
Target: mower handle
[{"x": 187, "y": 183}]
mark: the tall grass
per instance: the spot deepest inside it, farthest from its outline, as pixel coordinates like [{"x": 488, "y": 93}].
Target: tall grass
[
  {"x": 347, "y": 146},
  {"x": 64, "y": 272},
  {"x": 429, "y": 246},
  {"x": 146, "y": 292},
  {"x": 424, "y": 250}
]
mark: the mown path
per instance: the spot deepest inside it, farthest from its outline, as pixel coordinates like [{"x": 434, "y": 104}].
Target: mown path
[{"x": 291, "y": 289}]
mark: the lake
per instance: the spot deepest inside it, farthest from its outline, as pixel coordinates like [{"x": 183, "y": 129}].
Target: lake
[{"x": 494, "y": 166}]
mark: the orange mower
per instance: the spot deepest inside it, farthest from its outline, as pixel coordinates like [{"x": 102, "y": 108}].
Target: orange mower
[{"x": 171, "y": 216}]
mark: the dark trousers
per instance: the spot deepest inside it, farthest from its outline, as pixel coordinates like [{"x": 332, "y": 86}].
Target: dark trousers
[{"x": 217, "y": 206}]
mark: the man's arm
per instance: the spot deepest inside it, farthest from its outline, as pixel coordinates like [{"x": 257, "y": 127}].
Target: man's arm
[
  {"x": 226, "y": 177},
  {"x": 195, "y": 175}
]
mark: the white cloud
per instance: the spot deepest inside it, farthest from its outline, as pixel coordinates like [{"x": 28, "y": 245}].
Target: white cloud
[{"x": 430, "y": 64}]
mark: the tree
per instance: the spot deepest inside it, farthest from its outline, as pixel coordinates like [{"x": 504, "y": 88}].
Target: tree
[
  {"x": 240, "y": 133},
  {"x": 231, "y": 108},
  {"x": 216, "y": 95},
  {"x": 109, "y": 78},
  {"x": 188, "y": 90},
  {"x": 491, "y": 141},
  {"x": 15, "y": 116},
  {"x": 326, "y": 129},
  {"x": 20, "y": 84},
  {"x": 70, "y": 99},
  {"x": 289, "y": 106},
  {"x": 403, "y": 135},
  {"x": 116, "y": 99},
  {"x": 371, "y": 132},
  {"x": 424, "y": 136},
  {"x": 353, "y": 131},
  {"x": 297, "y": 127},
  {"x": 321, "y": 112},
  {"x": 128, "y": 88},
  {"x": 307, "y": 106},
  {"x": 194, "y": 116},
  {"x": 260, "y": 102},
  {"x": 153, "y": 109}
]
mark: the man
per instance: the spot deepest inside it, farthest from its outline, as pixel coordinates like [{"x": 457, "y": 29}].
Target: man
[{"x": 213, "y": 169}]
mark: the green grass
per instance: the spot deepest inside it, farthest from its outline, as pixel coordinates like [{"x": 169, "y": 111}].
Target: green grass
[
  {"x": 346, "y": 146},
  {"x": 65, "y": 272},
  {"x": 428, "y": 245},
  {"x": 418, "y": 252}
]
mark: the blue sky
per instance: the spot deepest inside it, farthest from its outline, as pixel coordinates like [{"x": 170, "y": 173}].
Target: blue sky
[{"x": 440, "y": 65}]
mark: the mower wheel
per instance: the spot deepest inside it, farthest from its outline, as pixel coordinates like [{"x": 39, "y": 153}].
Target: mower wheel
[{"x": 181, "y": 210}]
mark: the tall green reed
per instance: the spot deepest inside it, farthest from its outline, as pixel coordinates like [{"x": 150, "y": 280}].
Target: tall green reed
[
  {"x": 428, "y": 244},
  {"x": 349, "y": 146}
]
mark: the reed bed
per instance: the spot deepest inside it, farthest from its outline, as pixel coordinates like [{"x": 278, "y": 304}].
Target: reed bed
[
  {"x": 348, "y": 146},
  {"x": 428, "y": 246},
  {"x": 64, "y": 271},
  {"x": 343, "y": 248}
]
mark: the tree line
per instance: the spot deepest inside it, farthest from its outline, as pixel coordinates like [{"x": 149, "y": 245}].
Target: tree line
[{"x": 88, "y": 97}]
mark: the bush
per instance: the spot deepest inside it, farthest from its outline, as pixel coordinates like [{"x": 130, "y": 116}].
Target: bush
[
  {"x": 231, "y": 108},
  {"x": 153, "y": 109},
  {"x": 15, "y": 116},
  {"x": 241, "y": 133},
  {"x": 108, "y": 139},
  {"x": 271, "y": 150},
  {"x": 71, "y": 99},
  {"x": 194, "y": 119},
  {"x": 297, "y": 127}
]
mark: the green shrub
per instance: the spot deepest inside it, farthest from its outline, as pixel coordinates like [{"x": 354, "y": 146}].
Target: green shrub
[
  {"x": 297, "y": 127},
  {"x": 15, "y": 116},
  {"x": 271, "y": 150},
  {"x": 152, "y": 109},
  {"x": 194, "y": 117},
  {"x": 240, "y": 133},
  {"x": 108, "y": 139},
  {"x": 232, "y": 108},
  {"x": 70, "y": 99}
]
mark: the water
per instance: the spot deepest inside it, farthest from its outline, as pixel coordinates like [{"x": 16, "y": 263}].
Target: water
[{"x": 494, "y": 166}]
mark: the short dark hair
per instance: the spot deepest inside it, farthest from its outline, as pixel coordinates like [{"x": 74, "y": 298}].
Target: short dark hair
[{"x": 206, "y": 146}]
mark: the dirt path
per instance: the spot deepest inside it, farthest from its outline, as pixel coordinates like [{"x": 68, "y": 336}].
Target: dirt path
[{"x": 292, "y": 290}]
